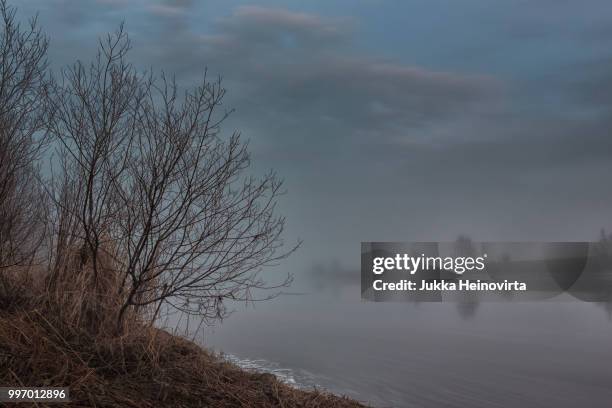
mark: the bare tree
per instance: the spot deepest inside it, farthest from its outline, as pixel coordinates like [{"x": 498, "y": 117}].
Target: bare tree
[
  {"x": 148, "y": 180},
  {"x": 93, "y": 119},
  {"x": 23, "y": 84}
]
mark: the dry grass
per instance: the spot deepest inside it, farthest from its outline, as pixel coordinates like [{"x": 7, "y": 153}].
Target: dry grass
[{"x": 44, "y": 343}]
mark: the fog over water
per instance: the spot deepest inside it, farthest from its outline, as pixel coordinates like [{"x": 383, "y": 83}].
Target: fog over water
[{"x": 553, "y": 354}]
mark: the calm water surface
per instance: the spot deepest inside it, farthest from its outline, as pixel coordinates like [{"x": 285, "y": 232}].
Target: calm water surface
[{"x": 554, "y": 354}]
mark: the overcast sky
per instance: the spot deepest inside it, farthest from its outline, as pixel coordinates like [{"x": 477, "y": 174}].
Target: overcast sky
[{"x": 394, "y": 120}]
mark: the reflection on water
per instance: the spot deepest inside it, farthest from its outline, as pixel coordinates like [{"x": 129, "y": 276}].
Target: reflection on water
[
  {"x": 555, "y": 354},
  {"x": 471, "y": 354}
]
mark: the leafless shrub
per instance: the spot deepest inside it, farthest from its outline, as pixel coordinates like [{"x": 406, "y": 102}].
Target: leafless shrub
[
  {"x": 22, "y": 87},
  {"x": 147, "y": 179}
]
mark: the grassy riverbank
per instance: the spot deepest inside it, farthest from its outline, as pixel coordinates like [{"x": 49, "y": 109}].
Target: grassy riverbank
[{"x": 142, "y": 367}]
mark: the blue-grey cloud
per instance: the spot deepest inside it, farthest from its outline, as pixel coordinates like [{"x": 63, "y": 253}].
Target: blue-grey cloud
[{"x": 295, "y": 67}]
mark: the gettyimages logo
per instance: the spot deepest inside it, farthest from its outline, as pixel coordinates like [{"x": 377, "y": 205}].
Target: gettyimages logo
[{"x": 411, "y": 264}]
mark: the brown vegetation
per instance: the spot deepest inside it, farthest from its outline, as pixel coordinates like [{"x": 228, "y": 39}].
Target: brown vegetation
[{"x": 144, "y": 367}]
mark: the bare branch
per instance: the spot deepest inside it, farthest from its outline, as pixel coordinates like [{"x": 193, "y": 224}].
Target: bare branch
[{"x": 23, "y": 85}]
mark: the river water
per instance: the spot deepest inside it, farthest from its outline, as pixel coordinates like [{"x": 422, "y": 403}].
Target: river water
[{"x": 546, "y": 354}]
